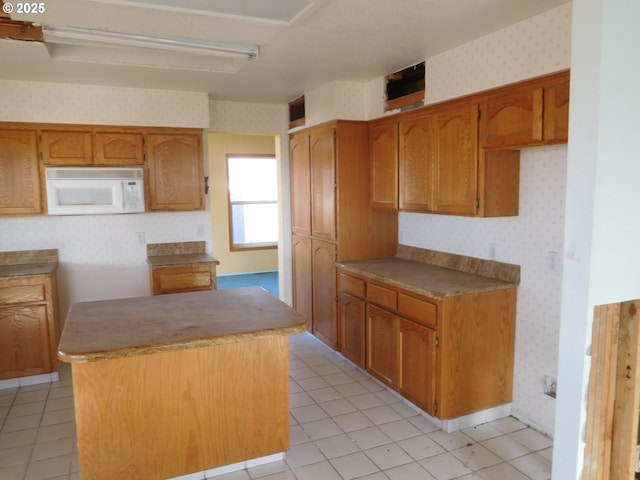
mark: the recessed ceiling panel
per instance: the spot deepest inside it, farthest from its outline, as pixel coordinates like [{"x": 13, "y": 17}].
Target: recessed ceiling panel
[{"x": 277, "y": 11}]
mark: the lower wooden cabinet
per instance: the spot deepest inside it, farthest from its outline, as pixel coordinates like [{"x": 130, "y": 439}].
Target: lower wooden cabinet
[
  {"x": 450, "y": 356},
  {"x": 183, "y": 278},
  {"x": 352, "y": 328},
  {"x": 29, "y": 326},
  {"x": 417, "y": 365},
  {"x": 382, "y": 345},
  {"x": 314, "y": 286}
]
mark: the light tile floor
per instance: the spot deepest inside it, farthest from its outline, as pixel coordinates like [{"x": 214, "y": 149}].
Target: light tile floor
[{"x": 344, "y": 425}]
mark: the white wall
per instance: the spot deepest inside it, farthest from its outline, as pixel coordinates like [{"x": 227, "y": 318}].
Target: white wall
[
  {"x": 602, "y": 260},
  {"x": 100, "y": 256}
]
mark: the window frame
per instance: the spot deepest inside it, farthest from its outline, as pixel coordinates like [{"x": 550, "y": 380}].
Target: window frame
[{"x": 242, "y": 247}]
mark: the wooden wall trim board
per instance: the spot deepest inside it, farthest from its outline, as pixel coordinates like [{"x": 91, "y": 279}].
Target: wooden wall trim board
[{"x": 613, "y": 402}]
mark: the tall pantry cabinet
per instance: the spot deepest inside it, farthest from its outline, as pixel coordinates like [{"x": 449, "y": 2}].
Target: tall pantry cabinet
[{"x": 331, "y": 216}]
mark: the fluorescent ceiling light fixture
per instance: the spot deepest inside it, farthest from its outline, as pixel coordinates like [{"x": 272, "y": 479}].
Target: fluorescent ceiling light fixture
[
  {"x": 116, "y": 48},
  {"x": 92, "y": 37}
]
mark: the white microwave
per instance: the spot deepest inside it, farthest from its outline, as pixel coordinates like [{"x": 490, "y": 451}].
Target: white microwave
[{"x": 94, "y": 191}]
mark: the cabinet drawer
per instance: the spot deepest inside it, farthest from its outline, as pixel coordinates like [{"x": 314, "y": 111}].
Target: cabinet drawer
[
  {"x": 382, "y": 296},
  {"x": 418, "y": 310},
  {"x": 22, "y": 294},
  {"x": 352, "y": 285}
]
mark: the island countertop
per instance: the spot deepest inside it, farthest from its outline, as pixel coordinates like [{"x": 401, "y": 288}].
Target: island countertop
[{"x": 127, "y": 327}]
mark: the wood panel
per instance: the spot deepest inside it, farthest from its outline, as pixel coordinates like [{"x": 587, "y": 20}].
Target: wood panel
[
  {"x": 323, "y": 183},
  {"x": 227, "y": 403},
  {"x": 29, "y": 326},
  {"x": 119, "y": 148},
  {"x": 624, "y": 452},
  {"x": 66, "y": 148},
  {"x": 353, "y": 329},
  {"x": 499, "y": 183},
  {"x": 20, "y": 191},
  {"x": 183, "y": 278},
  {"x": 556, "y": 112},
  {"x": 514, "y": 119},
  {"x": 417, "y": 150},
  {"x": 613, "y": 401},
  {"x": 479, "y": 330},
  {"x": 382, "y": 345},
  {"x": 174, "y": 173},
  {"x": 325, "y": 321},
  {"x": 456, "y": 167},
  {"x": 384, "y": 165},
  {"x": 302, "y": 278},
  {"x": 300, "y": 172},
  {"x": 417, "y": 381}
]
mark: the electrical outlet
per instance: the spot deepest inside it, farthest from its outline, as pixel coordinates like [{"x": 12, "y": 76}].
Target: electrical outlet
[
  {"x": 492, "y": 251},
  {"x": 141, "y": 239},
  {"x": 200, "y": 230},
  {"x": 550, "y": 386},
  {"x": 552, "y": 261}
]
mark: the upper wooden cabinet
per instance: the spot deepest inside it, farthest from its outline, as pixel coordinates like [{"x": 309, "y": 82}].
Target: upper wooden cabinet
[
  {"x": 416, "y": 150},
  {"x": 66, "y": 148},
  {"x": 20, "y": 192},
  {"x": 174, "y": 172},
  {"x": 118, "y": 148},
  {"x": 300, "y": 185},
  {"x": 86, "y": 147},
  {"x": 383, "y": 138},
  {"x": 437, "y": 161},
  {"x": 531, "y": 113},
  {"x": 455, "y": 172},
  {"x": 460, "y": 157},
  {"x": 322, "y": 164}
]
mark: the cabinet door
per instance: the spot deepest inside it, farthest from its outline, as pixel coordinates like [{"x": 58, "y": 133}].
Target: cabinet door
[
  {"x": 300, "y": 185},
  {"x": 417, "y": 380},
  {"x": 119, "y": 149},
  {"x": 175, "y": 181},
  {"x": 302, "y": 278},
  {"x": 323, "y": 260},
  {"x": 382, "y": 344},
  {"x": 556, "y": 112},
  {"x": 24, "y": 341},
  {"x": 189, "y": 278},
  {"x": 514, "y": 119},
  {"x": 456, "y": 164},
  {"x": 323, "y": 184},
  {"x": 417, "y": 149},
  {"x": 384, "y": 165},
  {"x": 352, "y": 328},
  {"x": 19, "y": 174},
  {"x": 66, "y": 148}
]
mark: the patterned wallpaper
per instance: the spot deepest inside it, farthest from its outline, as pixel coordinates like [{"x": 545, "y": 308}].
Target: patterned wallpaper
[
  {"x": 89, "y": 104},
  {"x": 528, "y": 49},
  {"x": 533, "y": 240}
]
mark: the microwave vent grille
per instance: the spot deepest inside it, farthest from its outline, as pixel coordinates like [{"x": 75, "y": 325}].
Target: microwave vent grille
[{"x": 94, "y": 173}]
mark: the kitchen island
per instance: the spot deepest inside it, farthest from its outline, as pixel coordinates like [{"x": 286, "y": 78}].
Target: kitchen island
[{"x": 175, "y": 384}]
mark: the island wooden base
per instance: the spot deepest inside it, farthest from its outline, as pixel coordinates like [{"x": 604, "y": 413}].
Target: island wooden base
[{"x": 162, "y": 415}]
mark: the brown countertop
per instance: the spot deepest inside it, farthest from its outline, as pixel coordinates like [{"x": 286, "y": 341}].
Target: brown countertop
[
  {"x": 28, "y": 262},
  {"x": 137, "y": 326},
  {"x": 427, "y": 279}
]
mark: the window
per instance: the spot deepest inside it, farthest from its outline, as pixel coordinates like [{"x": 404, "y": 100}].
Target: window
[{"x": 253, "y": 201}]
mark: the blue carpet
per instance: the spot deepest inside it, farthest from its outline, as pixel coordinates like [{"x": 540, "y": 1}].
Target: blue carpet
[{"x": 267, "y": 280}]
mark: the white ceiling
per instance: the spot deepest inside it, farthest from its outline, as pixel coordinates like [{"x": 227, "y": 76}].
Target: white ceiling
[{"x": 303, "y": 44}]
